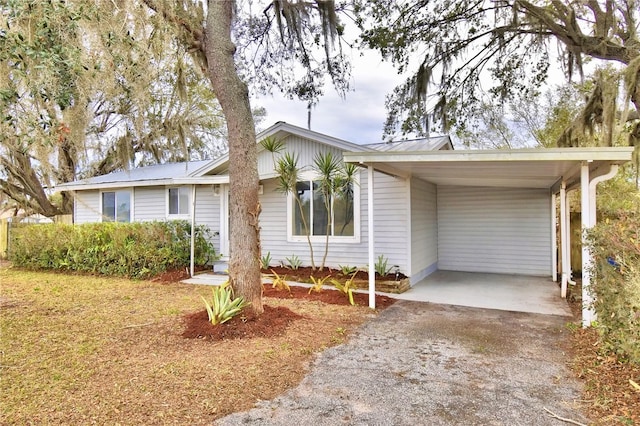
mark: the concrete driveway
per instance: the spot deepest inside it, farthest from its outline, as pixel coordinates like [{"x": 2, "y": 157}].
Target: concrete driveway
[{"x": 426, "y": 364}]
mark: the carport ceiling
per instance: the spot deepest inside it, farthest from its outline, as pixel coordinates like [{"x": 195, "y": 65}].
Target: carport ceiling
[{"x": 525, "y": 168}]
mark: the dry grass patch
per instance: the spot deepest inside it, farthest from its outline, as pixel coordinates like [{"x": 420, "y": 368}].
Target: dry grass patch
[{"x": 93, "y": 350}]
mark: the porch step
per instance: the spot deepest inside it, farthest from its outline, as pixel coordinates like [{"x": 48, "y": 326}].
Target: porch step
[{"x": 220, "y": 267}]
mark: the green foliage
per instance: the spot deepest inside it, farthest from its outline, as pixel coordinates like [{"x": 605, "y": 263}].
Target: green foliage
[
  {"x": 265, "y": 260},
  {"x": 347, "y": 270},
  {"x": 293, "y": 262},
  {"x": 280, "y": 283},
  {"x": 223, "y": 306},
  {"x": 135, "y": 250},
  {"x": 317, "y": 284},
  {"x": 381, "y": 265},
  {"x": 346, "y": 288},
  {"x": 616, "y": 284}
]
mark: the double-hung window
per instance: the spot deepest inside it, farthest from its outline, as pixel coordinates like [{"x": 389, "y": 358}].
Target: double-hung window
[
  {"x": 310, "y": 212},
  {"x": 178, "y": 201},
  {"x": 116, "y": 206}
]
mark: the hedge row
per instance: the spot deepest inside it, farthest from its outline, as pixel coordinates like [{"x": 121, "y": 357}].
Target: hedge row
[
  {"x": 616, "y": 248},
  {"x": 134, "y": 250}
]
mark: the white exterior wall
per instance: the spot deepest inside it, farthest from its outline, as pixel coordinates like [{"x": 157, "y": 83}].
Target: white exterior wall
[
  {"x": 391, "y": 219},
  {"x": 424, "y": 229},
  {"x": 86, "y": 207},
  {"x": 495, "y": 230},
  {"x": 149, "y": 203},
  {"x": 304, "y": 149},
  {"x": 208, "y": 212}
]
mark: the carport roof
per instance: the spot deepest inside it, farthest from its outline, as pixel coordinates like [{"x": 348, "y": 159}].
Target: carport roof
[{"x": 522, "y": 168}]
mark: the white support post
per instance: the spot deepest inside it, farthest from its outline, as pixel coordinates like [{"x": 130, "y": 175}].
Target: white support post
[
  {"x": 564, "y": 240},
  {"x": 554, "y": 241},
  {"x": 192, "y": 268},
  {"x": 372, "y": 270},
  {"x": 588, "y": 313}
]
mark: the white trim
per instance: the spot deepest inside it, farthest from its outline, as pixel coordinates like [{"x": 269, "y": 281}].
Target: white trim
[
  {"x": 204, "y": 180},
  {"x": 132, "y": 215},
  {"x": 564, "y": 240},
  {"x": 547, "y": 154},
  {"x": 179, "y": 216}
]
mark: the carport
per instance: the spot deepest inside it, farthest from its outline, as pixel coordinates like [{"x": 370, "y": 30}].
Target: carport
[{"x": 532, "y": 179}]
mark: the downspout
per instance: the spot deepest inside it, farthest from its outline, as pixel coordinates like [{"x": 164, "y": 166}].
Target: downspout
[
  {"x": 592, "y": 191},
  {"x": 554, "y": 240},
  {"x": 193, "y": 231}
]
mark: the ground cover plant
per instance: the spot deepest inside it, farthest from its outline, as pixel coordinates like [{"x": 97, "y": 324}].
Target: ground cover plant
[{"x": 79, "y": 349}]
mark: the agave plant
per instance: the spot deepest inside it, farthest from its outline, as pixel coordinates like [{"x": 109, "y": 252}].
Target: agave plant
[{"x": 223, "y": 305}]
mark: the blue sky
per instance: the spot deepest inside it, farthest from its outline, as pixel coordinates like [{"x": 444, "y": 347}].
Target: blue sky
[{"x": 358, "y": 118}]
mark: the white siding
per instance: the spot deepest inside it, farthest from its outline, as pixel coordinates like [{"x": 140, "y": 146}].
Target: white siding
[
  {"x": 391, "y": 219},
  {"x": 496, "y": 230},
  {"x": 208, "y": 211},
  {"x": 87, "y": 207},
  {"x": 424, "y": 229},
  {"x": 149, "y": 203},
  {"x": 304, "y": 149}
]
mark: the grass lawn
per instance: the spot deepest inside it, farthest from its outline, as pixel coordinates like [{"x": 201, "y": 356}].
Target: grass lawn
[{"x": 95, "y": 350}]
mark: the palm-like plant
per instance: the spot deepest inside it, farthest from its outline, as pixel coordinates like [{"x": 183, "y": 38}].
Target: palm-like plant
[
  {"x": 286, "y": 166},
  {"x": 328, "y": 168}
]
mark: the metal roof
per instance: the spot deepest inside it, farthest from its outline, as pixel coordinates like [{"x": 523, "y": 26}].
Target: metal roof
[
  {"x": 525, "y": 168},
  {"x": 151, "y": 174},
  {"x": 412, "y": 145}
]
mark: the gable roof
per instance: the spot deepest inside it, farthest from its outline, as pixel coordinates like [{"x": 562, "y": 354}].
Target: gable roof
[
  {"x": 281, "y": 130},
  {"x": 436, "y": 143}
]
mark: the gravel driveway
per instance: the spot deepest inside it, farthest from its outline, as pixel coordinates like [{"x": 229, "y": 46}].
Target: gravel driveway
[{"x": 427, "y": 364}]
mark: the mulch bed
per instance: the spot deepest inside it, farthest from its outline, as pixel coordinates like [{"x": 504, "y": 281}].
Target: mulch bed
[{"x": 275, "y": 320}]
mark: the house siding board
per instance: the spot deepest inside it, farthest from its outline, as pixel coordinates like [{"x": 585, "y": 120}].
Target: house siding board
[
  {"x": 424, "y": 227},
  {"x": 391, "y": 228},
  {"x": 305, "y": 150},
  {"x": 208, "y": 212},
  {"x": 149, "y": 203},
  {"x": 87, "y": 207},
  {"x": 495, "y": 230}
]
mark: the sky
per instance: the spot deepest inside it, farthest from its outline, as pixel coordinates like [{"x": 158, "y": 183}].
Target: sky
[{"x": 359, "y": 118}]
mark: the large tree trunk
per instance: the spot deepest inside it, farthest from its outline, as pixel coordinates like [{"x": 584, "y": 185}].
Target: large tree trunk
[{"x": 244, "y": 207}]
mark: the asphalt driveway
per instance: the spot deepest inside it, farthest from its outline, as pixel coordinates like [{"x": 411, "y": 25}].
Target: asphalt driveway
[{"x": 426, "y": 364}]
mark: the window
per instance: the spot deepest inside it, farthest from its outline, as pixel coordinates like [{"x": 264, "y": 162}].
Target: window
[
  {"x": 312, "y": 210},
  {"x": 179, "y": 201},
  {"x": 116, "y": 206}
]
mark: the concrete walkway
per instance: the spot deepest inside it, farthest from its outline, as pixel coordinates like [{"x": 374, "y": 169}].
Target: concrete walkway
[{"x": 427, "y": 364}]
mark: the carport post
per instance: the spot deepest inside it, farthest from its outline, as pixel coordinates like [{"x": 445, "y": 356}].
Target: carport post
[
  {"x": 554, "y": 240},
  {"x": 563, "y": 239},
  {"x": 372, "y": 270},
  {"x": 588, "y": 313}
]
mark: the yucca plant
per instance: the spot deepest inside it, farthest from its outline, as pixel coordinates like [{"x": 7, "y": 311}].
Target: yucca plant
[
  {"x": 223, "y": 305},
  {"x": 317, "y": 284},
  {"x": 346, "y": 288},
  {"x": 280, "y": 283}
]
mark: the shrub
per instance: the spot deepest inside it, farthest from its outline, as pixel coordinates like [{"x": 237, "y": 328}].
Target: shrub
[
  {"x": 134, "y": 250},
  {"x": 615, "y": 245}
]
